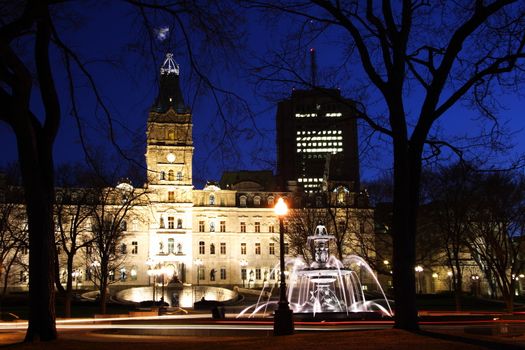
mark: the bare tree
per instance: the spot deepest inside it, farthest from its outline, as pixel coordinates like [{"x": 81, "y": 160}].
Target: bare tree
[
  {"x": 72, "y": 216},
  {"x": 449, "y": 210},
  {"x": 13, "y": 239},
  {"x": 441, "y": 51},
  {"x": 497, "y": 223},
  {"x": 110, "y": 211},
  {"x": 301, "y": 223},
  {"x": 28, "y": 37}
]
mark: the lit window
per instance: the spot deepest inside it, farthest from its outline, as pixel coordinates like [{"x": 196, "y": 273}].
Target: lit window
[{"x": 171, "y": 175}]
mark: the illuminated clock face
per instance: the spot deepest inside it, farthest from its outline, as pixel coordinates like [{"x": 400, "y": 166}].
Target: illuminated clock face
[{"x": 170, "y": 157}]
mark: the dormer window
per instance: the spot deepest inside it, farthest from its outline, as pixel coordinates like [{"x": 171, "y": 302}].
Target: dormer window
[
  {"x": 257, "y": 201},
  {"x": 271, "y": 201},
  {"x": 242, "y": 201}
]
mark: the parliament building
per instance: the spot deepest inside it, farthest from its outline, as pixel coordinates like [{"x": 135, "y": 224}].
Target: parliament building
[{"x": 227, "y": 232}]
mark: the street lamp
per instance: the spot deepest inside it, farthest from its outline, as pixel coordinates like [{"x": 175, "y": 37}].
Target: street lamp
[
  {"x": 149, "y": 263},
  {"x": 243, "y": 264},
  {"x": 198, "y": 263},
  {"x": 449, "y": 274},
  {"x": 475, "y": 284},
  {"x": 151, "y": 273},
  {"x": 419, "y": 269},
  {"x": 283, "y": 317}
]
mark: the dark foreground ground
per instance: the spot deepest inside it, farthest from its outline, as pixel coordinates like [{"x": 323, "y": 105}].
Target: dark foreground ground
[{"x": 381, "y": 339}]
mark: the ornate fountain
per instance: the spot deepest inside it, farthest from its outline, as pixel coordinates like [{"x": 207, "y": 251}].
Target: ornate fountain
[{"x": 326, "y": 285}]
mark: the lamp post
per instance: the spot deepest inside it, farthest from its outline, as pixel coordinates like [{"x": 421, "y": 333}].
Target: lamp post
[
  {"x": 94, "y": 266},
  {"x": 151, "y": 273},
  {"x": 198, "y": 263},
  {"x": 283, "y": 317},
  {"x": 419, "y": 269},
  {"x": 149, "y": 263},
  {"x": 243, "y": 264},
  {"x": 75, "y": 275},
  {"x": 449, "y": 274}
]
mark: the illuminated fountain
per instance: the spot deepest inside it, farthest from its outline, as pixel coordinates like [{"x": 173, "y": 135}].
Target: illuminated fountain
[{"x": 326, "y": 286}]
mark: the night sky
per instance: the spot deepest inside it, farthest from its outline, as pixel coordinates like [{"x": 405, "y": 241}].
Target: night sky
[{"x": 108, "y": 38}]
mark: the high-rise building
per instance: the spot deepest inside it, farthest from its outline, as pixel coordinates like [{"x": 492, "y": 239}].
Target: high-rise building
[{"x": 317, "y": 140}]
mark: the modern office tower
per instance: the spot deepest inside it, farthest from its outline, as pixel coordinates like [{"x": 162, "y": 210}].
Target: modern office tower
[{"x": 317, "y": 140}]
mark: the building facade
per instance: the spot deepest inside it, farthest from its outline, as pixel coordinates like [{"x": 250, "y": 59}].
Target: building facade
[{"x": 227, "y": 232}]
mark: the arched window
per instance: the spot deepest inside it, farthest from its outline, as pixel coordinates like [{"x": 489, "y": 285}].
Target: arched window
[
  {"x": 171, "y": 175},
  {"x": 242, "y": 201},
  {"x": 212, "y": 248},
  {"x": 257, "y": 200},
  {"x": 212, "y": 199},
  {"x": 271, "y": 201}
]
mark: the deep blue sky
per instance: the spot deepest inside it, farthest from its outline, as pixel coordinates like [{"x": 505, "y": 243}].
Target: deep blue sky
[{"x": 109, "y": 40}]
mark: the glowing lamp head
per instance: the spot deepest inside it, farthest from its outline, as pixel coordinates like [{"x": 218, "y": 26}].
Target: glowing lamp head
[{"x": 281, "y": 208}]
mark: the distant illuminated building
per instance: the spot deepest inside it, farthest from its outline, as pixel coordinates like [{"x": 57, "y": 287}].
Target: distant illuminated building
[{"x": 317, "y": 139}]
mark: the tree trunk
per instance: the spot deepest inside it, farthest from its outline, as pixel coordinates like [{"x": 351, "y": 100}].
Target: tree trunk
[
  {"x": 36, "y": 165},
  {"x": 69, "y": 287},
  {"x": 407, "y": 169},
  {"x": 103, "y": 298}
]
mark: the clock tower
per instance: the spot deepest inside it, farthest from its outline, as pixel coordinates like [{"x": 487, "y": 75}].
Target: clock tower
[
  {"x": 169, "y": 152},
  {"x": 169, "y": 156}
]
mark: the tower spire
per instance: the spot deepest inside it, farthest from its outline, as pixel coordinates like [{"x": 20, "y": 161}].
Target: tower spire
[
  {"x": 169, "y": 66},
  {"x": 170, "y": 94}
]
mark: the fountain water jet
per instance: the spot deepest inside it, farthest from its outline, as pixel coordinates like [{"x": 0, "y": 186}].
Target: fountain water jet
[{"x": 326, "y": 286}]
